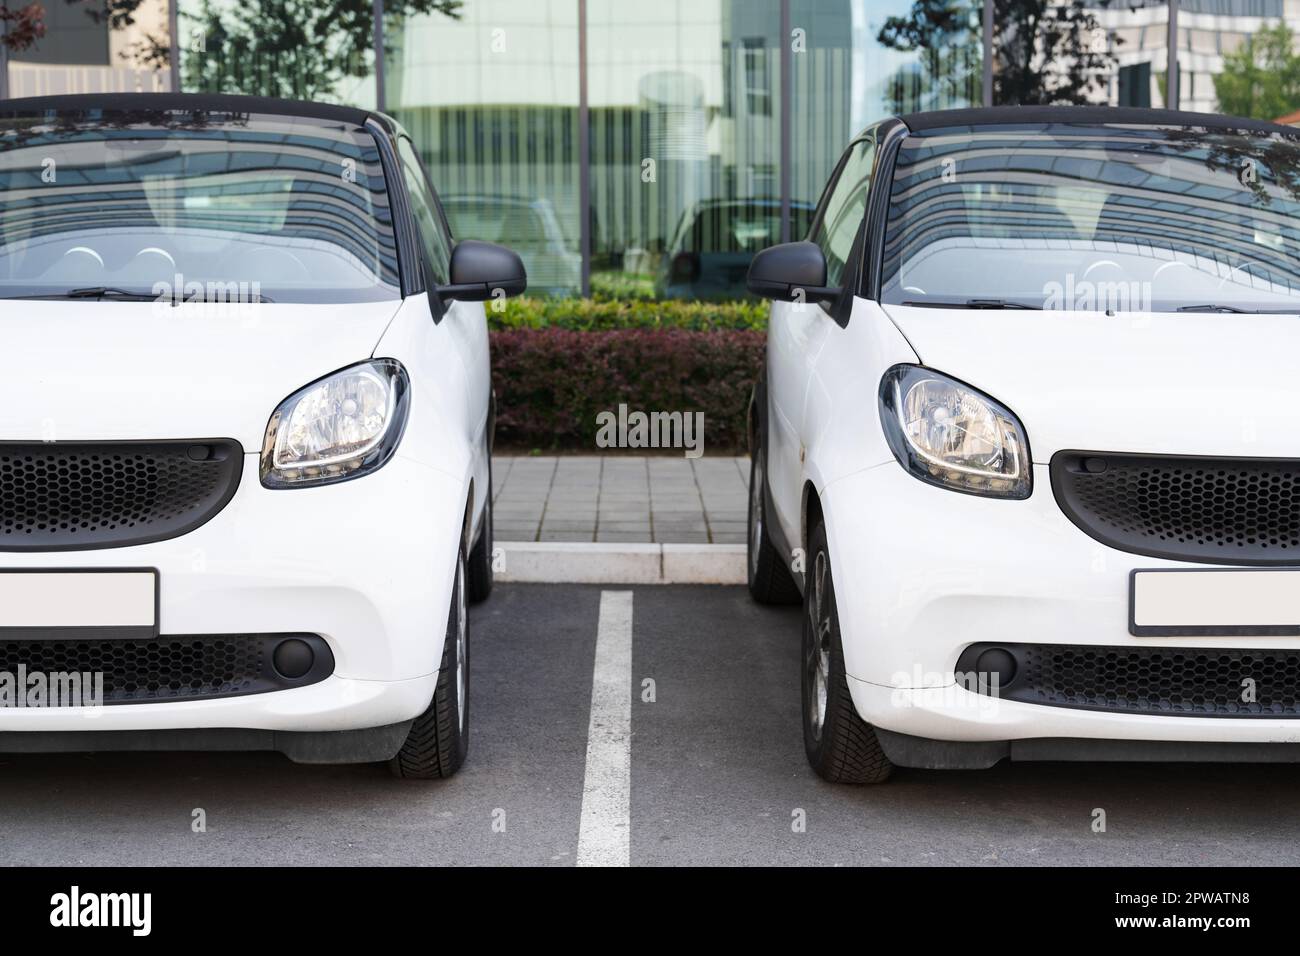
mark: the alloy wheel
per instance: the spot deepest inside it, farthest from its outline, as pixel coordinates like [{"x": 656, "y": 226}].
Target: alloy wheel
[
  {"x": 817, "y": 662},
  {"x": 462, "y": 645},
  {"x": 755, "y": 512}
]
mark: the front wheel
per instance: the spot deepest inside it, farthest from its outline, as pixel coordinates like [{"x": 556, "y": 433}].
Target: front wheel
[
  {"x": 841, "y": 746},
  {"x": 439, "y": 738}
]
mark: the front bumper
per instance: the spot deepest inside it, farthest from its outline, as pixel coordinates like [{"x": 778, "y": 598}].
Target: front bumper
[
  {"x": 921, "y": 573},
  {"x": 367, "y": 564}
]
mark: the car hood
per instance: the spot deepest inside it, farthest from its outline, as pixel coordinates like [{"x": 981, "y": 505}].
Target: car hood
[
  {"x": 81, "y": 371},
  {"x": 1167, "y": 383}
]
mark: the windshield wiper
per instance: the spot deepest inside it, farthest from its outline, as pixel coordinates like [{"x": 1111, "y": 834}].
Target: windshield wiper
[
  {"x": 94, "y": 292},
  {"x": 108, "y": 292},
  {"x": 1211, "y": 307},
  {"x": 1236, "y": 310},
  {"x": 976, "y": 304},
  {"x": 126, "y": 295}
]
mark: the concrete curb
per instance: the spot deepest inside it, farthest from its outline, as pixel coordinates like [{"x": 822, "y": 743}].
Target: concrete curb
[{"x": 565, "y": 562}]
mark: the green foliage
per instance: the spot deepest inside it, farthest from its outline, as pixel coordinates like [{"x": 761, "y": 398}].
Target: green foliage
[
  {"x": 300, "y": 49},
  {"x": 620, "y": 285},
  {"x": 1261, "y": 78},
  {"x": 586, "y": 315}
]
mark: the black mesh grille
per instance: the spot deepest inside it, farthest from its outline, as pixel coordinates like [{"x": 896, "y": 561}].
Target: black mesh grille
[
  {"x": 1213, "y": 510},
  {"x": 170, "y": 668},
  {"x": 1232, "y": 682},
  {"x": 64, "y": 496}
]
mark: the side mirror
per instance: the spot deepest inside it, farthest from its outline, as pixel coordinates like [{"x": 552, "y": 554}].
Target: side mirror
[
  {"x": 783, "y": 272},
  {"x": 479, "y": 269}
]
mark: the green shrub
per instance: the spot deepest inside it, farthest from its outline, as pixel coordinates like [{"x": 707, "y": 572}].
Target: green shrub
[{"x": 585, "y": 315}]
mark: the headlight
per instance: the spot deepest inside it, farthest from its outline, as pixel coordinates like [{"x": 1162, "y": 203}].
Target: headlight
[
  {"x": 949, "y": 434},
  {"x": 344, "y": 426}
]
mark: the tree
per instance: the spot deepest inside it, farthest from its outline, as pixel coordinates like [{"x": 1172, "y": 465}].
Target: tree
[
  {"x": 294, "y": 48},
  {"x": 297, "y": 48},
  {"x": 1261, "y": 78},
  {"x": 944, "y": 34},
  {"x": 1044, "y": 51},
  {"x": 26, "y": 25},
  {"x": 23, "y": 26}
]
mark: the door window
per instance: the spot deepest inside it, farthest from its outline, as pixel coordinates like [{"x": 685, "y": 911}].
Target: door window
[
  {"x": 434, "y": 238},
  {"x": 845, "y": 206}
]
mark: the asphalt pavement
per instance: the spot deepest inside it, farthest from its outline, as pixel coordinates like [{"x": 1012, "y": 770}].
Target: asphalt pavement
[{"x": 717, "y": 774}]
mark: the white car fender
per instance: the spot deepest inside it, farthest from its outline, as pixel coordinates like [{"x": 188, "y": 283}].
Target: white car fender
[{"x": 841, "y": 428}]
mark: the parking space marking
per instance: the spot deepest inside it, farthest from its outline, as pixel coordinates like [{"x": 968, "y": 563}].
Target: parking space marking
[{"x": 605, "y": 831}]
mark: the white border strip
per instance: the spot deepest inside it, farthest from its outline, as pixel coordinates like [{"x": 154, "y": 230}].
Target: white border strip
[
  {"x": 604, "y": 835},
  {"x": 564, "y": 562}
]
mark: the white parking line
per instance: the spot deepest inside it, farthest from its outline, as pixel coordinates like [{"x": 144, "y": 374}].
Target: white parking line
[{"x": 604, "y": 834}]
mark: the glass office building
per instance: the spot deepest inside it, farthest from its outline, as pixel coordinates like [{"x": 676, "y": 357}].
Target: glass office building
[{"x": 637, "y": 148}]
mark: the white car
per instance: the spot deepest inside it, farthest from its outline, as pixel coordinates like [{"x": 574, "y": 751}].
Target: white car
[
  {"x": 1027, "y": 442},
  {"x": 245, "y": 431}
]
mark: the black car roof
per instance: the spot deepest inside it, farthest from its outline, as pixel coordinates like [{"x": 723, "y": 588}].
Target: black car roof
[
  {"x": 1129, "y": 116},
  {"x": 208, "y": 102}
]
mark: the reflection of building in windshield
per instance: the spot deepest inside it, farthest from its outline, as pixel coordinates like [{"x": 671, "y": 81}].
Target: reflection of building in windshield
[{"x": 1165, "y": 214}]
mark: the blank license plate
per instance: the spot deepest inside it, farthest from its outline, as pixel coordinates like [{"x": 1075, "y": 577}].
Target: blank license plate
[
  {"x": 1223, "y": 602},
  {"x": 47, "y": 605}
]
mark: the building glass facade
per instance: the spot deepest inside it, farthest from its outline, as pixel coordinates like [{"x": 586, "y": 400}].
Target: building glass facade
[
  {"x": 650, "y": 149},
  {"x": 490, "y": 98},
  {"x": 684, "y": 101}
]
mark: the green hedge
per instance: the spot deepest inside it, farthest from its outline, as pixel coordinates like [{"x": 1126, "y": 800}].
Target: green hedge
[
  {"x": 552, "y": 382},
  {"x": 586, "y": 315}
]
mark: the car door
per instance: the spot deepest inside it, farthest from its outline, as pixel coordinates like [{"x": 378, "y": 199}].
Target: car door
[
  {"x": 798, "y": 331},
  {"x": 464, "y": 322}
]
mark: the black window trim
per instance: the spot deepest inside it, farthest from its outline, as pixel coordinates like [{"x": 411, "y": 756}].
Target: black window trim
[
  {"x": 411, "y": 277},
  {"x": 888, "y": 142}
]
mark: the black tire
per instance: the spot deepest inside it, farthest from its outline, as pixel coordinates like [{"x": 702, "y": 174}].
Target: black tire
[
  {"x": 480, "y": 558},
  {"x": 438, "y": 740},
  {"x": 769, "y": 577},
  {"x": 841, "y": 747}
]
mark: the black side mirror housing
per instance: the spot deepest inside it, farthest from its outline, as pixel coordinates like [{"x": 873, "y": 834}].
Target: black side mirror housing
[
  {"x": 790, "y": 272},
  {"x": 480, "y": 269}
]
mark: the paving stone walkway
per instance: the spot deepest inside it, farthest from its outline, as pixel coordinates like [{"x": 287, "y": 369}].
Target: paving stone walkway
[{"x": 620, "y": 498}]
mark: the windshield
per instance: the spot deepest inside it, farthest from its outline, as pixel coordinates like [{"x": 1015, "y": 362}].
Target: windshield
[
  {"x": 1096, "y": 218},
  {"x": 194, "y": 207}
]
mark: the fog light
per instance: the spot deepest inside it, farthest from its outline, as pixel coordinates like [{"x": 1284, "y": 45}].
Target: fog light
[
  {"x": 293, "y": 658},
  {"x": 996, "y": 664}
]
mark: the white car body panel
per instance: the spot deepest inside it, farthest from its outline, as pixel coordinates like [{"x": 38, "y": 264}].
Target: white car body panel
[
  {"x": 111, "y": 371},
  {"x": 824, "y": 399},
  {"x": 922, "y": 572},
  {"x": 366, "y": 563},
  {"x": 451, "y": 359},
  {"x": 1151, "y": 382}
]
